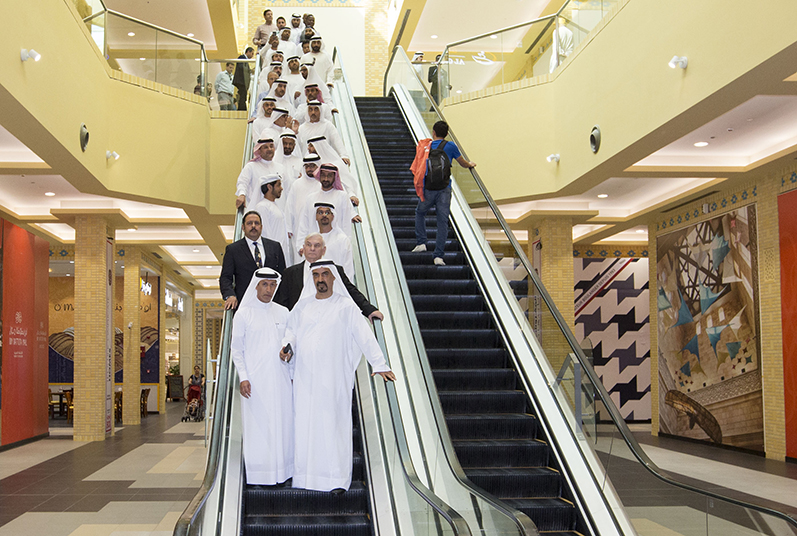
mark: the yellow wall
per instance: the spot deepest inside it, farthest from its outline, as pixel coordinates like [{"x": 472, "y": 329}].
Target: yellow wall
[
  {"x": 621, "y": 82},
  {"x": 163, "y": 135}
]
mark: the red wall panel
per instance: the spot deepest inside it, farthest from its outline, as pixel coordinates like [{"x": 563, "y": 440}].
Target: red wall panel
[
  {"x": 24, "y": 368},
  {"x": 787, "y": 220}
]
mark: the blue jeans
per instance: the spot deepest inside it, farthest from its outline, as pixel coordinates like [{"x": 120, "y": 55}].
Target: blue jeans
[{"x": 441, "y": 200}]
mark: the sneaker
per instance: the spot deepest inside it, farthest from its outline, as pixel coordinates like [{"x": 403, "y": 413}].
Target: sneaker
[
  {"x": 419, "y": 248},
  {"x": 439, "y": 261}
]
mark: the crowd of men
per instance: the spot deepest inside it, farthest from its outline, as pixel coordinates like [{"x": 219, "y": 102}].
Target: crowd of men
[{"x": 300, "y": 325}]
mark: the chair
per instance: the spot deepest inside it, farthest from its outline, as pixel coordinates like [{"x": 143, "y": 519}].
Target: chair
[
  {"x": 53, "y": 404},
  {"x": 70, "y": 406},
  {"x": 117, "y": 405},
  {"x": 144, "y": 397}
]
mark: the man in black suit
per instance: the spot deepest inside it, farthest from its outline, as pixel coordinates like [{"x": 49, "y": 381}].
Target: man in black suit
[
  {"x": 292, "y": 283},
  {"x": 243, "y": 257}
]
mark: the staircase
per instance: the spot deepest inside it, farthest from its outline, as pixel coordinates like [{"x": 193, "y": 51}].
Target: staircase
[{"x": 497, "y": 438}]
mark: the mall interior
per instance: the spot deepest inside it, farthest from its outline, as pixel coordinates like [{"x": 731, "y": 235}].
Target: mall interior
[{"x": 606, "y": 351}]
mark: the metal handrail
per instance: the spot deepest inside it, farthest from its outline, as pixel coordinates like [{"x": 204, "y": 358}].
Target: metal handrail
[
  {"x": 587, "y": 368},
  {"x": 190, "y": 516},
  {"x": 457, "y": 522}
]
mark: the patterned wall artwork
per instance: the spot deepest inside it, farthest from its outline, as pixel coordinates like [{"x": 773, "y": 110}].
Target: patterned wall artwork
[
  {"x": 612, "y": 307},
  {"x": 709, "y": 371}
]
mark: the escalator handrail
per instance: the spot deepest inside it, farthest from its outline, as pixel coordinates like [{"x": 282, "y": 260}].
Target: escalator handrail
[
  {"x": 454, "y": 519},
  {"x": 583, "y": 362},
  {"x": 219, "y": 430}
]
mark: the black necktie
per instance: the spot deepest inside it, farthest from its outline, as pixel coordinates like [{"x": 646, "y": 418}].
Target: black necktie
[{"x": 258, "y": 258}]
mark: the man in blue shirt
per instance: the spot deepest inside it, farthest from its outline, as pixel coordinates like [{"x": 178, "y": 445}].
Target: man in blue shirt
[{"x": 440, "y": 199}]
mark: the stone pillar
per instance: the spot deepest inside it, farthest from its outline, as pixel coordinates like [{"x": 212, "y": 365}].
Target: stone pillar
[
  {"x": 131, "y": 386},
  {"x": 377, "y": 46},
  {"x": 91, "y": 278},
  {"x": 556, "y": 272},
  {"x": 162, "y": 338},
  {"x": 187, "y": 339}
]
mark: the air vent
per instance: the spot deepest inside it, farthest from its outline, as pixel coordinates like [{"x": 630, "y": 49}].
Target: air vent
[
  {"x": 156, "y": 255},
  {"x": 176, "y": 272},
  {"x": 690, "y": 201}
]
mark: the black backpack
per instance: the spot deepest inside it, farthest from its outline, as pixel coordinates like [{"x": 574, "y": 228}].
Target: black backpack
[{"x": 439, "y": 171}]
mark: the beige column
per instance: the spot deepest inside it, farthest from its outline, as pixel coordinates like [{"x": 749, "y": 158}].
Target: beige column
[
  {"x": 91, "y": 277},
  {"x": 556, "y": 272},
  {"x": 377, "y": 46},
  {"x": 162, "y": 339},
  {"x": 131, "y": 386}
]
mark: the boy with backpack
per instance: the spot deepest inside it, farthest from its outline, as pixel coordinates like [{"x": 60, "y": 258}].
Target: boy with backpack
[{"x": 432, "y": 171}]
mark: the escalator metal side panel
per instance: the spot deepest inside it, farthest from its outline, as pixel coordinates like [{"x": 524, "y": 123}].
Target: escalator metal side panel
[
  {"x": 233, "y": 466},
  {"x": 604, "y": 507}
]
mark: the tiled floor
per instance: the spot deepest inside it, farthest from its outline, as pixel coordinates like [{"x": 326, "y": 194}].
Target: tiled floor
[{"x": 138, "y": 482}]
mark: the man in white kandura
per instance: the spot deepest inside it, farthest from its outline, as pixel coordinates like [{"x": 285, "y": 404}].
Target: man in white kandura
[
  {"x": 328, "y": 335},
  {"x": 272, "y": 215},
  {"x": 338, "y": 244},
  {"x": 267, "y": 404}
]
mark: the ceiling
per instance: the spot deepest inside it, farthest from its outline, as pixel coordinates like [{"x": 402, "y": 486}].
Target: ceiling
[{"x": 181, "y": 16}]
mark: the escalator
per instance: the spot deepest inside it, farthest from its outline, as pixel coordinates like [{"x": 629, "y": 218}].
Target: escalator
[
  {"x": 272, "y": 510},
  {"x": 493, "y": 427}
]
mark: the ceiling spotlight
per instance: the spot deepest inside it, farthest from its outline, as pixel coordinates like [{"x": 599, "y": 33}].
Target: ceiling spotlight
[
  {"x": 68, "y": 275},
  {"x": 553, "y": 157},
  {"x": 195, "y": 250},
  {"x": 31, "y": 54},
  {"x": 142, "y": 59},
  {"x": 701, "y": 144},
  {"x": 71, "y": 262},
  {"x": 641, "y": 231},
  {"x": 111, "y": 154},
  {"x": 131, "y": 230},
  {"x": 131, "y": 34},
  {"x": 434, "y": 37},
  {"x": 49, "y": 194},
  {"x": 678, "y": 61},
  {"x": 493, "y": 36},
  {"x": 603, "y": 196},
  {"x": 190, "y": 35},
  {"x": 459, "y": 91}
]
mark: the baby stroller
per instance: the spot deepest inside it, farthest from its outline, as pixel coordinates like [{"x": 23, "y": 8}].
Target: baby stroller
[{"x": 194, "y": 404}]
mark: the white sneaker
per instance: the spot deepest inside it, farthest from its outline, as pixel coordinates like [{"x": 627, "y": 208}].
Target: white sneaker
[
  {"x": 439, "y": 261},
  {"x": 419, "y": 248}
]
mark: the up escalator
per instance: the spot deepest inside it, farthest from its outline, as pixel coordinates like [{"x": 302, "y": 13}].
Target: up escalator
[
  {"x": 273, "y": 510},
  {"x": 493, "y": 428}
]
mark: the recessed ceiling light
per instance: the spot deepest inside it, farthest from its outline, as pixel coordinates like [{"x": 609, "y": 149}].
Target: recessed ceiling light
[
  {"x": 459, "y": 91},
  {"x": 434, "y": 37},
  {"x": 142, "y": 59},
  {"x": 493, "y": 36},
  {"x": 123, "y": 266},
  {"x": 68, "y": 275},
  {"x": 195, "y": 250},
  {"x": 208, "y": 267},
  {"x": 701, "y": 144},
  {"x": 49, "y": 194},
  {"x": 131, "y": 34},
  {"x": 71, "y": 262},
  {"x": 603, "y": 196},
  {"x": 131, "y": 230},
  {"x": 641, "y": 231},
  {"x": 50, "y": 270},
  {"x": 190, "y": 35}
]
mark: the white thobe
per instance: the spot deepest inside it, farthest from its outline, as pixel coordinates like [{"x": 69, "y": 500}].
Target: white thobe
[
  {"x": 329, "y": 337},
  {"x": 259, "y": 125},
  {"x": 323, "y": 65},
  {"x": 339, "y": 250},
  {"x": 291, "y": 169},
  {"x": 274, "y": 226},
  {"x": 249, "y": 180},
  {"x": 324, "y": 128},
  {"x": 344, "y": 212},
  {"x": 288, "y": 49},
  {"x": 301, "y": 189},
  {"x": 295, "y": 83},
  {"x": 267, "y": 414}
]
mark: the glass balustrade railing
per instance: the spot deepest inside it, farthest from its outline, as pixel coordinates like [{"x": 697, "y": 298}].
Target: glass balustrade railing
[
  {"x": 521, "y": 51},
  {"x": 654, "y": 501}
]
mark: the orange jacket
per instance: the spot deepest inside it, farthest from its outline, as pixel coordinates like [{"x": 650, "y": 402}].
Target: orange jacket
[{"x": 418, "y": 166}]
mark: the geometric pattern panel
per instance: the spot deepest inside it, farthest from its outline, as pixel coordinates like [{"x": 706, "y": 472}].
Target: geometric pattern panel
[{"x": 612, "y": 307}]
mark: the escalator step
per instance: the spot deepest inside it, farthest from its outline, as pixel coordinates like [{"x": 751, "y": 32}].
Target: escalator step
[
  {"x": 506, "y": 453},
  {"x": 475, "y": 379},
  {"x": 456, "y": 272},
  {"x": 518, "y": 481},
  {"x": 491, "y": 426},
  {"x": 470, "y": 402},
  {"x": 431, "y": 231},
  {"x": 268, "y": 501},
  {"x": 477, "y": 358},
  {"x": 448, "y": 303},
  {"x": 433, "y": 286},
  {"x": 460, "y": 338},
  {"x": 454, "y": 320},
  {"x": 308, "y": 526},
  {"x": 407, "y": 244},
  {"x": 450, "y": 257},
  {"x": 547, "y": 514}
]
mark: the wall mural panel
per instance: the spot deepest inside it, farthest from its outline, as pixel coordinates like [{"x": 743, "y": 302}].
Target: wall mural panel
[
  {"x": 62, "y": 332},
  {"x": 709, "y": 368},
  {"x": 612, "y": 307}
]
